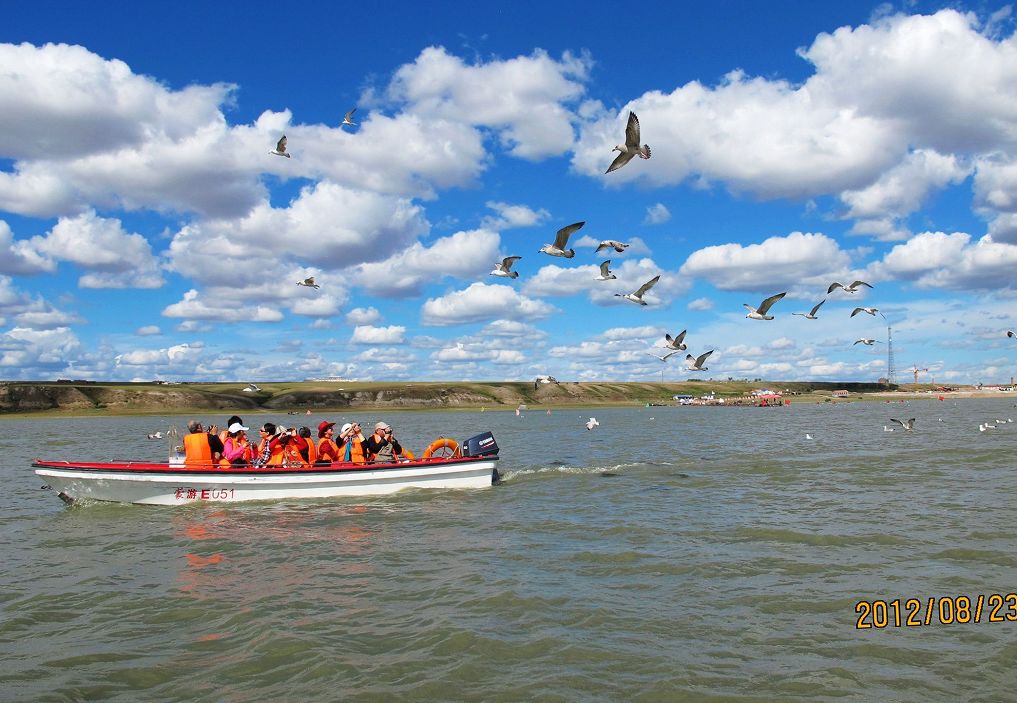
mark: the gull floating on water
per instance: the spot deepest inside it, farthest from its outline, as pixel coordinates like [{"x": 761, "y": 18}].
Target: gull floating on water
[
  {"x": 155, "y": 435},
  {"x": 853, "y": 288},
  {"x": 811, "y": 314},
  {"x": 808, "y": 436},
  {"x": 887, "y": 429},
  {"x": 348, "y": 118},
  {"x": 561, "y": 239},
  {"x": 760, "y": 312},
  {"x": 308, "y": 282},
  {"x": 697, "y": 361},
  {"x": 637, "y": 297},
  {"x": 631, "y": 146},
  {"x": 871, "y": 311},
  {"x": 605, "y": 272},
  {"x": 280, "y": 148},
  {"x": 611, "y": 244},
  {"x": 867, "y": 342},
  {"x": 986, "y": 426},
  {"x": 665, "y": 357},
  {"x": 677, "y": 343},
  {"x": 908, "y": 425},
  {"x": 591, "y": 423},
  {"x": 502, "y": 268}
]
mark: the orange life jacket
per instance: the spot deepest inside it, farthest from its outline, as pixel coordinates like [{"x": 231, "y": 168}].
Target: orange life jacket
[
  {"x": 312, "y": 451},
  {"x": 277, "y": 457},
  {"x": 356, "y": 452},
  {"x": 197, "y": 451},
  {"x": 328, "y": 450}
]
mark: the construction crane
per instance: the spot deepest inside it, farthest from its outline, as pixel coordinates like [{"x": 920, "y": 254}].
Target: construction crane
[{"x": 916, "y": 371}]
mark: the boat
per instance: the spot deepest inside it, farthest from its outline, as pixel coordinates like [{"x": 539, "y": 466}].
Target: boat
[{"x": 470, "y": 465}]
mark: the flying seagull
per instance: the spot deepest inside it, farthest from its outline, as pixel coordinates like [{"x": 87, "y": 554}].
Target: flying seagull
[
  {"x": 760, "y": 312},
  {"x": 502, "y": 268},
  {"x": 611, "y": 244},
  {"x": 676, "y": 343},
  {"x": 1009, "y": 333},
  {"x": 853, "y": 288},
  {"x": 308, "y": 282},
  {"x": 871, "y": 311},
  {"x": 605, "y": 272},
  {"x": 866, "y": 342},
  {"x": 697, "y": 361},
  {"x": 591, "y": 423},
  {"x": 631, "y": 146},
  {"x": 665, "y": 357},
  {"x": 908, "y": 425},
  {"x": 155, "y": 435},
  {"x": 348, "y": 118},
  {"x": 637, "y": 297},
  {"x": 811, "y": 315},
  {"x": 561, "y": 239},
  {"x": 280, "y": 148}
]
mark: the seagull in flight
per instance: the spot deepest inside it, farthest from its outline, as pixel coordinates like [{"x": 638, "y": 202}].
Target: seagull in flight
[
  {"x": 676, "y": 343},
  {"x": 348, "y": 118},
  {"x": 280, "y": 148},
  {"x": 631, "y": 146},
  {"x": 696, "y": 362},
  {"x": 665, "y": 357},
  {"x": 591, "y": 423},
  {"x": 908, "y": 425},
  {"x": 502, "y": 268},
  {"x": 308, "y": 282},
  {"x": 605, "y": 272},
  {"x": 867, "y": 342},
  {"x": 760, "y": 312},
  {"x": 611, "y": 244},
  {"x": 853, "y": 288},
  {"x": 811, "y": 315},
  {"x": 871, "y": 311},
  {"x": 637, "y": 297},
  {"x": 155, "y": 435},
  {"x": 1009, "y": 333},
  {"x": 561, "y": 239}
]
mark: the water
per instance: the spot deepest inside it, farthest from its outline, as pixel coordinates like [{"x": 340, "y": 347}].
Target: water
[{"x": 671, "y": 554}]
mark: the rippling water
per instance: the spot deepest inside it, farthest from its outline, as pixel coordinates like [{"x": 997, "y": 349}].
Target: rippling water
[{"x": 672, "y": 554}]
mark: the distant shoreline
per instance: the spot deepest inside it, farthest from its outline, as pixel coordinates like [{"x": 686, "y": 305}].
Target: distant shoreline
[{"x": 88, "y": 399}]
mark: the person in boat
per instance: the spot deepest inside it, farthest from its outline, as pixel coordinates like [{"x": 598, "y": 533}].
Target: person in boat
[
  {"x": 310, "y": 452},
  {"x": 382, "y": 446},
  {"x": 201, "y": 447},
  {"x": 351, "y": 447},
  {"x": 294, "y": 448},
  {"x": 236, "y": 450},
  {"x": 328, "y": 450},
  {"x": 229, "y": 423},
  {"x": 270, "y": 448}
]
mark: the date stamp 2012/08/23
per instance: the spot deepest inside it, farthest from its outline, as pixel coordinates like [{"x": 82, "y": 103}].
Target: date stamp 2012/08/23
[{"x": 942, "y": 610}]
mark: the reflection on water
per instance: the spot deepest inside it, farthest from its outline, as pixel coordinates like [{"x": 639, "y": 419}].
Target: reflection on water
[{"x": 668, "y": 554}]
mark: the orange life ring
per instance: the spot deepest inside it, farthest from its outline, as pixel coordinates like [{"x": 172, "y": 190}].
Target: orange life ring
[{"x": 442, "y": 444}]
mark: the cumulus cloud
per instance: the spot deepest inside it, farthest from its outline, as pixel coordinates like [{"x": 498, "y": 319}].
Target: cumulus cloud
[
  {"x": 194, "y": 307},
  {"x": 19, "y": 257},
  {"x": 952, "y": 261},
  {"x": 148, "y": 331},
  {"x": 363, "y": 316},
  {"x": 367, "y": 334},
  {"x": 481, "y": 302},
  {"x": 511, "y": 216},
  {"x": 700, "y": 304},
  {"x": 28, "y": 351},
  {"x": 511, "y": 328},
  {"x": 657, "y": 215}
]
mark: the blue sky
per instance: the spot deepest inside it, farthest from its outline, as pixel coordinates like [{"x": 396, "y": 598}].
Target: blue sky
[{"x": 147, "y": 232}]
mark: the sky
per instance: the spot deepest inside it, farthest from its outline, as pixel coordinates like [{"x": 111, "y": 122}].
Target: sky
[{"x": 147, "y": 232}]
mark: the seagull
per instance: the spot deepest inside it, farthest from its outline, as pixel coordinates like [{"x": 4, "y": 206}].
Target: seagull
[
  {"x": 611, "y": 244},
  {"x": 591, "y": 423},
  {"x": 808, "y": 436},
  {"x": 811, "y": 315},
  {"x": 760, "y": 312},
  {"x": 908, "y": 425},
  {"x": 676, "y": 343},
  {"x": 637, "y": 297},
  {"x": 280, "y": 148},
  {"x": 665, "y": 357},
  {"x": 502, "y": 268},
  {"x": 853, "y": 288},
  {"x": 697, "y": 361},
  {"x": 986, "y": 426},
  {"x": 308, "y": 282},
  {"x": 866, "y": 342},
  {"x": 1009, "y": 333},
  {"x": 887, "y": 429},
  {"x": 871, "y": 311},
  {"x": 155, "y": 435},
  {"x": 631, "y": 146},
  {"x": 251, "y": 388},
  {"x": 560, "y": 240},
  {"x": 605, "y": 272},
  {"x": 348, "y": 118}
]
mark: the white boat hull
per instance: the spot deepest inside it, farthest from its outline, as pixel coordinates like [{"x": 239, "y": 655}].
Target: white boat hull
[{"x": 176, "y": 486}]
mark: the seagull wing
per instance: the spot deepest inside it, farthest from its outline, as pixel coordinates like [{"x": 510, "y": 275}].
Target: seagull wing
[
  {"x": 601, "y": 247},
  {"x": 632, "y": 132},
  {"x": 813, "y": 312},
  {"x": 349, "y": 115},
  {"x": 562, "y": 237},
  {"x": 604, "y": 270},
  {"x": 859, "y": 283},
  {"x": 702, "y": 357},
  {"x": 281, "y": 145},
  {"x": 899, "y": 422},
  {"x": 620, "y": 160},
  {"x": 856, "y": 311},
  {"x": 647, "y": 286},
  {"x": 765, "y": 305},
  {"x": 677, "y": 340},
  {"x": 834, "y": 286},
  {"x": 507, "y": 262}
]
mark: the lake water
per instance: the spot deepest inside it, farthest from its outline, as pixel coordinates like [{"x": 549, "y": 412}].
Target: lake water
[{"x": 671, "y": 554}]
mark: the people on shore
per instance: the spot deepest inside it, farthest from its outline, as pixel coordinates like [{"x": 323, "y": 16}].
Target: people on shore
[
  {"x": 382, "y": 446},
  {"x": 328, "y": 450},
  {"x": 351, "y": 447},
  {"x": 201, "y": 447}
]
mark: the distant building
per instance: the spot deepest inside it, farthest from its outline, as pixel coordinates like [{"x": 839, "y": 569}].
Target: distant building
[{"x": 841, "y": 394}]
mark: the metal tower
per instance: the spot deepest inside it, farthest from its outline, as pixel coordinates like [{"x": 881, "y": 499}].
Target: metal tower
[{"x": 891, "y": 368}]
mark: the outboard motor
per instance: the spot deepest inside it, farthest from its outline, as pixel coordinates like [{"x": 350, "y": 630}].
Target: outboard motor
[{"x": 480, "y": 445}]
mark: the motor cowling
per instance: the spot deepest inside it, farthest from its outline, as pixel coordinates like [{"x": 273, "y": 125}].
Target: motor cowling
[{"x": 480, "y": 445}]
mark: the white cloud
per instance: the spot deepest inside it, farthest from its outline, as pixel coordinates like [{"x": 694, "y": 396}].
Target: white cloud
[
  {"x": 194, "y": 308},
  {"x": 511, "y": 216},
  {"x": 366, "y": 334},
  {"x": 20, "y": 257},
  {"x": 511, "y": 328},
  {"x": 481, "y": 302},
  {"x": 30, "y": 350},
  {"x": 952, "y": 261},
  {"x": 148, "y": 331},
  {"x": 632, "y": 333},
  {"x": 363, "y": 316},
  {"x": 700, "y": 304},
  {"x": 657, "y": 215}
]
